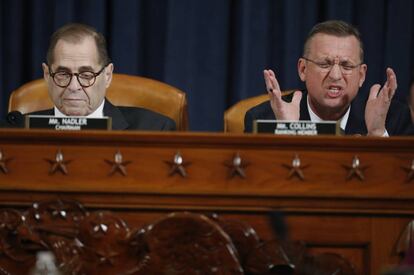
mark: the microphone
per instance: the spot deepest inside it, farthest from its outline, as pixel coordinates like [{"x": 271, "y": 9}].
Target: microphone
[{"x": 15, "y": 119}]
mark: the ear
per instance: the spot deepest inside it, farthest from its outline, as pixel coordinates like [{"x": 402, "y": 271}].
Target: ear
[
  {"x": 45, "y": 71},
  {"x": 362, "y": 74},
  {"x": 302, "y": 69},
  {"x": 108, "y": 74}
]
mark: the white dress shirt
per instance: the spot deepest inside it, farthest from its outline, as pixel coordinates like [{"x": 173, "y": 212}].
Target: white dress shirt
[
  {"x": 98, "y": 113},
  {"x": 342, "y": 121}
]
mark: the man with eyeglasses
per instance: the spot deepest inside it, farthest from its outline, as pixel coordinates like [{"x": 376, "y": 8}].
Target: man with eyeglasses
[
  {"x": 333, "y": 71},
  {"x": 78, "y": 72}
]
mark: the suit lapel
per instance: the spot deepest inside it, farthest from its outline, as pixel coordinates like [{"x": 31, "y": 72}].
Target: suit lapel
[
  {"x": 356, "y": 119},
  {"x": 48, "y": 112},
  {"x": 118, "y": 119},
  {"x": 304, "y": 112}
]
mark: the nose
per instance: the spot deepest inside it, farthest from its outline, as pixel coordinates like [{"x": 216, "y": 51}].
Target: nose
[
  {"x": 74, "y": 84},
  {"x": 336, "y": 72}
]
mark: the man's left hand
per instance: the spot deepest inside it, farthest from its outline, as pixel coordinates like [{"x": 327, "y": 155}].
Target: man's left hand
[{"x": 378, "y": 103}]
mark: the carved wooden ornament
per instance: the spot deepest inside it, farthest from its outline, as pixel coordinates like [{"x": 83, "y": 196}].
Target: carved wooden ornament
[
  {"x": 236, "y": 166},
  {"x": 177, "y": 165},
  {"x": 101, "y": 243},
  {"x": 355, "y": 169},
  {"x": 118, "y": 165},
  {"x": 410, "y": 171},
  {"x": 296, "y": 168},
  {"x": 58, "y": 164}
]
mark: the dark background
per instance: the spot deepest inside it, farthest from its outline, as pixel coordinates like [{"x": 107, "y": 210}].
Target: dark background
[{"x": 214, "y": 50}]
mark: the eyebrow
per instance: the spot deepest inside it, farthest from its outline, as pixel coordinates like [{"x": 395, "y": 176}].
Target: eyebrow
[
  {"x": 81, "y": 69},
  {"x": 347, "y": 59},
  {"x": 62, "y": 69},
  {"x": 86, "y": 69}
]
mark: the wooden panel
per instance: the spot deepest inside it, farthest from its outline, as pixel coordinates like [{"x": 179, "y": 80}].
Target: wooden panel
[
  {"x": 359, "y": 219},
  {"x": 358, "y": 256},
  {"x": 385, "y": 234}
]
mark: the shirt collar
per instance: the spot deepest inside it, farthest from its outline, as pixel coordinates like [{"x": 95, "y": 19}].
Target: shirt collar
[
  {"x": 342, "y": 121},
  {"x": 98, "y": 113}
]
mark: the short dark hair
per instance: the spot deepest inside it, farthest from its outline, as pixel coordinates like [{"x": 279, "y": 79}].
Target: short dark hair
[
  {"x": 75, "y": 32},
  {"x": 336, "y": 28}
]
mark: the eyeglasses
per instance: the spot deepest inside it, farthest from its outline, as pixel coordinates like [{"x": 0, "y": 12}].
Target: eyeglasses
[
  {"x": 85, "y": 79},
  {"x": 326, "y": 66}
]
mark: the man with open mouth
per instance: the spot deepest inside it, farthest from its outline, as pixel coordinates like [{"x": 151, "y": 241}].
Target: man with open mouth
[{"x": 333, "y": 69}]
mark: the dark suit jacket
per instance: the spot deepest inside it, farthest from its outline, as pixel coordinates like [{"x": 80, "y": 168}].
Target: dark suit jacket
[
  {"x": 130, "y": 118},
  {"x": 398, "y": 121}
]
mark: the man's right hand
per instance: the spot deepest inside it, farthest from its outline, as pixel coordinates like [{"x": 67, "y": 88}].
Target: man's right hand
[{"x": 283, "y": 110}]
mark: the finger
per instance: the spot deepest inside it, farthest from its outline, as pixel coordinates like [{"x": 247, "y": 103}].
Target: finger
[
  {"x": 390, "y": 85},
  {"x": 271, "y": 81},
  {"x": 392, "y": 82},
  {"x": 297, "y": 96},
  {"x": 273, "y": 78},
  {"x": 268, "y": 81},
  {"x": 272, "y": 73},
  {"x": 373, "y": 92},
  {"x": 277, "y": 102},
  {"x": 391, "y": 78},
  {"x": 275, "y": 95}
]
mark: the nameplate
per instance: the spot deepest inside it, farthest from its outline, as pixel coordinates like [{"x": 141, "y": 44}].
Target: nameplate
[
  {"x": 296, "y": 128},
  {"x": 67, "y": 123}
]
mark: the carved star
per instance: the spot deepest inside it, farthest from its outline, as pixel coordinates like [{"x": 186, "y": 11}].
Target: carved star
[
  {"x": 355, "y": 170},
  {"x": 59, "y": 164},
  {"x": 410, "y": 172},
  {"x": 118, "y": 164},
  {"x": 296, "y": 168},
  {"x": 237, "y": 166},
  {"x": 178, "y": 165},
  {"x": 3, "y": 163}
]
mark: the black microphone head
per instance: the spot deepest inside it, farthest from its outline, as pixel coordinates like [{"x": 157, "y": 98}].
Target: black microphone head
[{"x": 15, "y": 119}]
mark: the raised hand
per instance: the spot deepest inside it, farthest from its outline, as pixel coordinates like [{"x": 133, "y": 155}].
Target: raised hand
[
  {"x": 283, "y": 110},
  {"x": 378, "y": 103}
]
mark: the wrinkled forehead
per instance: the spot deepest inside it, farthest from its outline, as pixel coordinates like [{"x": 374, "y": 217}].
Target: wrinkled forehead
[
  {"x": 76, "y": 53},
  {"x": 331, "y": 46}
]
